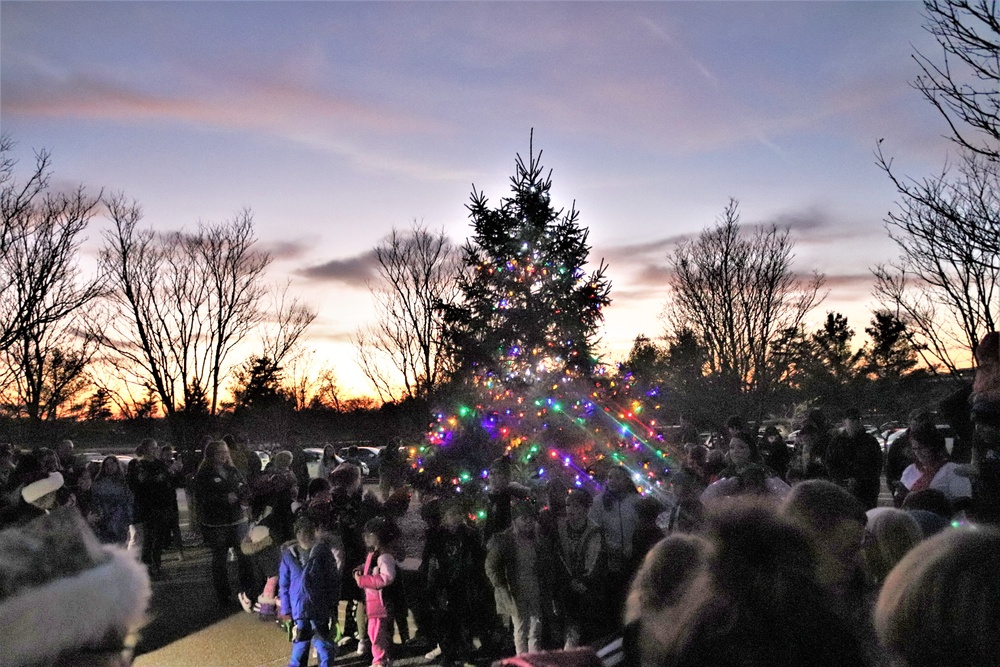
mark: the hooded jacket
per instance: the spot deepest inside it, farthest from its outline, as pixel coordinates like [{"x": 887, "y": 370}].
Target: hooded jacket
[
  {"x": 378, "y": 573},
  {"x": 308, "y": 584}
]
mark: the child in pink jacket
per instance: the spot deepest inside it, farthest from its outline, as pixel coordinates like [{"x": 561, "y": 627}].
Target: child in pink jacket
[{"x": 378, "y": 572}]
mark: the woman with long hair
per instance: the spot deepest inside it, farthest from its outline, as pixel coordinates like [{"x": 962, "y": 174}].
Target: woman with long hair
[
  {"x": 932, "y": 469},
  {"x": 111, "y": 503},
  {"x": 745, "y": 474},
  {"x": 218, "y": 488},
  {"x": 328, "y": 463}
]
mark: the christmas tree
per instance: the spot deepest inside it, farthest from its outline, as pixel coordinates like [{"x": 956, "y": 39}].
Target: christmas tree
[
  {"x": 529, "y": 311},
  {"x": 524, "y": 331}
]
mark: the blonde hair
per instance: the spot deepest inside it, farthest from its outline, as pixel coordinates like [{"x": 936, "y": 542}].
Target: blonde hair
[
  {"x": 283, "y": 459},
  {"x": 889, "y": 536},
  {"x": 745, "y": 592},
  {"x": 941, "y": 604}
]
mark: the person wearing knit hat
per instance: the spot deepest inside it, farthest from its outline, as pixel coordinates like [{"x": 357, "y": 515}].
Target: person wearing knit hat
[{"x": 51, "y": 569}]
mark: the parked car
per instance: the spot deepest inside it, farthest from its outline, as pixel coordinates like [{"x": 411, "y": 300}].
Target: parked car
[
  {"x": 99, "y": 457},
  {"x": 891, "y": 436},
  {"x": 92, "y": 457},
  {"x": 370, "y": 456},
  {"x": 946, "y": 430},
  {"x": 315, "y": 454}
]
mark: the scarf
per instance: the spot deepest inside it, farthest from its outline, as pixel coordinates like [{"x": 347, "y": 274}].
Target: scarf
[{"x": 927, "y": 475}]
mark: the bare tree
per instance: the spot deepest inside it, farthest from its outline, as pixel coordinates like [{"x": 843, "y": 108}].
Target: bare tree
[
  {"x": 311, "y": 385},
  {"x": 40, "y": 235},
  {"x": 48, "y": 368},
  {"x": 280, "y": 331},
  {"x": 737, "y": 293},
  {"x": 945, "y": 283},
  {"x": 965, "y": 84},
  {"x": 236, "y": 271},
  {"x": 327, "y": 392},
  {"x": 417, "y": 272},
  {"x": 947, "y": 227},
  {"x": 180, "y": 303},
  {"x": 288, "y": 318}
]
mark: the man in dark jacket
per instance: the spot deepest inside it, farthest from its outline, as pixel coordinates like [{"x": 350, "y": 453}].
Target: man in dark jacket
[
  {"x": 854, "y": 461},
  {"x": 150, "y": 481},
  {"x": 309, "y": 589}
]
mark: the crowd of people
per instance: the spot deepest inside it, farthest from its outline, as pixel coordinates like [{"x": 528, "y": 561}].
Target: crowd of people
[
  {"x": 755, "y": 553},
  {"x": 772, "y": 567}
]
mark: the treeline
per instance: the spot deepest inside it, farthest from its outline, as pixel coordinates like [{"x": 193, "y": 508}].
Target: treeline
[{"x": 185, "y": 326}]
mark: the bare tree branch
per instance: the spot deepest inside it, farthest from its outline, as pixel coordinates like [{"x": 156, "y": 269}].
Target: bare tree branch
[
  {"x": 964, "y": 86},
  {"x": 286, "y": 322},
  {"x": 417, "y": 271},
  {"x": 180, "y": 303},
  {"x": 945, "y": 282},
  {"x": 40, "y": 235},
  {"x": 738, "y": 293}
]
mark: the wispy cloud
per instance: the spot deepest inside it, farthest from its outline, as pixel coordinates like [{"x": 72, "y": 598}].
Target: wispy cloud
[
  {"x": 629, "y": 253},
  {"x": 329, "y": 122},
  {"x": 850, "y": 281},
  {"x": 353, "y": 271},
  {"x": 283, "y": 251},
  {"x": 332, "y": 336}
]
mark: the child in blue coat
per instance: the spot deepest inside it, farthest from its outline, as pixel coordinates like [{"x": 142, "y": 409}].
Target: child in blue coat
[{"x": 309, "y": 589}]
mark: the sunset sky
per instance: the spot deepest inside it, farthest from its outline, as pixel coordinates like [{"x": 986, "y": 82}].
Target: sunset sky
[{"x": 336, "y": 121}]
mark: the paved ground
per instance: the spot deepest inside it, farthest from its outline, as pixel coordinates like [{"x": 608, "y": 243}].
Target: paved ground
[{"x": 187, "y": 630}]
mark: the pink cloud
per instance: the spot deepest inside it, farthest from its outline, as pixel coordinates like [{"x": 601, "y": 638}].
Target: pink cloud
[{"x": 323, "y": 121}]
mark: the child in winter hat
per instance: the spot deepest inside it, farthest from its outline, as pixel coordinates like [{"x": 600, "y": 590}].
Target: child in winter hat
[{"x": 65, "y": 599}]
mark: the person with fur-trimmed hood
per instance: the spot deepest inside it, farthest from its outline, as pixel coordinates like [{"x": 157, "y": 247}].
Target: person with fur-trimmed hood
[
  {"x": 309, "y": 589},
  {"x": 65, "y": 599}
]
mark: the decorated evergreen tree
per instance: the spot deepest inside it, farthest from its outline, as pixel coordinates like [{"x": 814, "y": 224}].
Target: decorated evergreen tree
[
  {"x": 529, "y": 311},
  {"x": 529, "y": 384}
]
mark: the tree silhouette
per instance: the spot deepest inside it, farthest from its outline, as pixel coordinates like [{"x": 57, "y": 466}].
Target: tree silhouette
[{"x": 528, "y": 308}]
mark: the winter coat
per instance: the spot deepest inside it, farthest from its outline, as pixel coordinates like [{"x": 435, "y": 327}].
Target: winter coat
[
  {"x": 276, "y": 490},
  {"x": 211, "y": 492},
  {"x": 309, "y": 587},
  {"x": 502, "y": 571},
  {"x": 580, "y": 568},
  {"x": 858, "y": 458},
  {"x": 377, "y": 574},
  {"x": 946, "y": 480},
  {"x": 111, "y": 503},
  {"x": 617, "y": 518},
  {"x": 153, "y": 488},
  {"x": 452, "y": 565}
]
